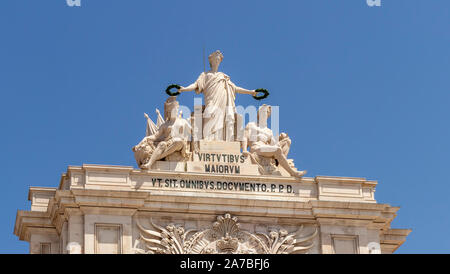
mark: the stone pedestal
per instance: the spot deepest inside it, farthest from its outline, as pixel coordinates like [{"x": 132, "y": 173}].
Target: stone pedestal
[{"x": 118, "y": 209}]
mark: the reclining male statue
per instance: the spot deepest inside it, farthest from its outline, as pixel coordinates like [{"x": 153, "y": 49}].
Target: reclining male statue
[
  {"x": 170, "y": 140},
  {"x": 264, "y": 150}
]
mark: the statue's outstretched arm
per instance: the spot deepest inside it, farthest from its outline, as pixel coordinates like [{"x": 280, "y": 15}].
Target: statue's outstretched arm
[
  {"x": 191, "y": 87},
  {"x": 244, "y": 91}
]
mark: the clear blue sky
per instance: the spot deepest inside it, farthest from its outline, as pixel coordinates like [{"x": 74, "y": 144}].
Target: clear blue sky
[{"x": 363, "y": 91}]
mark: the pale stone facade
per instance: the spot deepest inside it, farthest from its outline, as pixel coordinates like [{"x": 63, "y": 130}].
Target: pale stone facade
[{"x": 115, "y": 209}]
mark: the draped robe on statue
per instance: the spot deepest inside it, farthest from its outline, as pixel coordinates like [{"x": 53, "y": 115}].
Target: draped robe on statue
[{"x": 218, "y": 116}]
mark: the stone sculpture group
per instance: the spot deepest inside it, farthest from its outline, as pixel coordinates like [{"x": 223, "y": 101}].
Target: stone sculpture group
[{"x": 170, "y": 139}]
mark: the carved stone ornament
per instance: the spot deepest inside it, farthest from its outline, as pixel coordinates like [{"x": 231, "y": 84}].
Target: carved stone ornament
[{"x": 224, "y": 237}]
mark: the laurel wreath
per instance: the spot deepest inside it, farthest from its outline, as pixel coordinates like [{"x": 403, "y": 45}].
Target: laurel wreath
[
  {"x": 257, "y": 97},
  {"x": 171, "y": 87},
  {"x": 260, "y": 97}
]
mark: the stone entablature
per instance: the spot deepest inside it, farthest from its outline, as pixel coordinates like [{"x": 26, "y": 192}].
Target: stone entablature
[
  {"x": 125, "y": 178},
  {"x": 97, "y": 209}
]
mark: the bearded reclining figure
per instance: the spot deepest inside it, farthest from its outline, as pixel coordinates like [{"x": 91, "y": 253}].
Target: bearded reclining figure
[{"x": 169, "y": 141}]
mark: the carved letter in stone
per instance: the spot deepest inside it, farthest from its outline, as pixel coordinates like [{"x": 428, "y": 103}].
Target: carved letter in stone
[
  {"x": 168, "y": 140},
  {"x": 225, "y": 236},
  {"x": 264, "y": 150}
]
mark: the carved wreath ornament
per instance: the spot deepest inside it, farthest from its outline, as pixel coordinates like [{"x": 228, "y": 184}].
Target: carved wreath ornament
[{"x": 224, "y": 237}]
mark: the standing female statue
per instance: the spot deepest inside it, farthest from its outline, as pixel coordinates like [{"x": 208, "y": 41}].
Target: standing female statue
[{"x": 219, "y": 93}]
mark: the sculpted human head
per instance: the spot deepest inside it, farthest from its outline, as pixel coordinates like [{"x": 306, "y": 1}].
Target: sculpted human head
[
  {"x": 171, "y": 107},
  {"x": 264, "y": 112},
  {"x": 215, "y": 58}
]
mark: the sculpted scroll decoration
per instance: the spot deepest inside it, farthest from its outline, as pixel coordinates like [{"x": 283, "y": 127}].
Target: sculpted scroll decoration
[{"x": 224, "y": 237}]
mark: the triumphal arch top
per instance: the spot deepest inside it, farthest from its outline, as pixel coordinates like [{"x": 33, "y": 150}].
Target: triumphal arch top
[{"x": 208, "y": 182}]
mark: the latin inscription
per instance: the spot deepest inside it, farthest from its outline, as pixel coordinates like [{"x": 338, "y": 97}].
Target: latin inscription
[
  {"x": 222, "y": 169},
  {"x": 221, "y": 185},
  {"x": 224, "y": 158},
  {"x": 221, "y": 163}
]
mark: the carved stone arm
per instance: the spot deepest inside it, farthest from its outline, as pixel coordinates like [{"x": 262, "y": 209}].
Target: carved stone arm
[
  {"x": 191, "y": 87},
  {"x": 156, "y": 136},
  {"x": 245, "y": 91}
]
